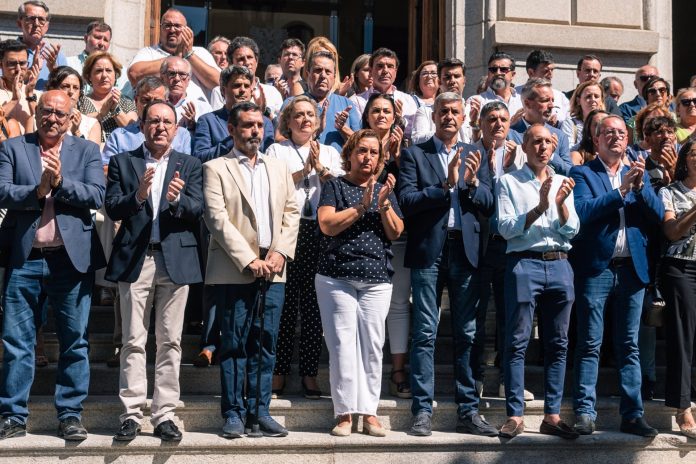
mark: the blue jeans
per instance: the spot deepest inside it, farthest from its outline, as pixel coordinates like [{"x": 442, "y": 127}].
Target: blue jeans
[
  {"x": 239, "y": 346},
  {"x": 626, "y": 291},
  {"x": 452, "y": 269},
  {"x": 70, "y": 294},
  {"x": 548, "y": 285}
]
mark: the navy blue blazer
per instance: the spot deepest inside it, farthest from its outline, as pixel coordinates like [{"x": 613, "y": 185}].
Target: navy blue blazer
[
  {"x": 425, "y": 205},
  {"x": 177, "y": 224},
  {"x": 560, "y": 162},
  {"x": 597, "y": 205},
  {"x": 212, "y": 138},
  {"x": 82, "y": 190}
]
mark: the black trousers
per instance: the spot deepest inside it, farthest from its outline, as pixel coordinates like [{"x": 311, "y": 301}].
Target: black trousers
[{"x": 678, "y": 284}]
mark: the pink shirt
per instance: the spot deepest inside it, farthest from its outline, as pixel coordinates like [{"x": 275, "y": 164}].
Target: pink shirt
[{"x": 48, "y": 234}]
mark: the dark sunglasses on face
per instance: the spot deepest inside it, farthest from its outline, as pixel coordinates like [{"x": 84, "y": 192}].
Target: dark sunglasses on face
[
  {"x": 646, "y": 77},
  {"x": 496, "y": 69},
  {"x": 656, "y": 90},
  {"x": 688, "y": 101}
]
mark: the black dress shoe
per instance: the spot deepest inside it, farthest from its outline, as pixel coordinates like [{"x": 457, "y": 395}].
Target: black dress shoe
[
  {"x": 168, "y": 431},
  {"x": 474, "y": 424},
  {"x": 268, "y": 427},
  {"x": 128, "y": 431},
  {"x": 584, "y": 424},
  {"x": 72, "y": 429},
  {"x": 11, "y": 429},
  {"x": 638, "y": 427},
  {"x": 561, "y": 429},
  {"x": 647, "y": 389},
  {"x": 422, "y": 425}
]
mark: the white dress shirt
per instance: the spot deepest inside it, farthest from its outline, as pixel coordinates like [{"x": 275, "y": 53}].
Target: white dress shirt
[
  {"x": 621, "y": 249},
  {"x": 256, "y": 179},
  {"x": 158, "y": 188},
  {"x": 454, "y": 220}
]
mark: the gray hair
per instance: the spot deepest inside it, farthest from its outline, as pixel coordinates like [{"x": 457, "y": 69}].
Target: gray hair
[
  {"x": 234, "y": 70},
  {"x": 529, "y": 90},
  {"x": 598, "y": 128},
  {"x": 606, "y": 83},
  {"x": 148, "y": 83},
  {"x": 445, "y": 97},
  {"x": 495, "y": 105},
  {"x": 22, "y": 10},
  {"x": 164, "y": 67},
  {"x": 218, "y": 38}
]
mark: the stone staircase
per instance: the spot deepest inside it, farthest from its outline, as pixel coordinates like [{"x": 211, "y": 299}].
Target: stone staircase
[{"x": 310, "y": 420}]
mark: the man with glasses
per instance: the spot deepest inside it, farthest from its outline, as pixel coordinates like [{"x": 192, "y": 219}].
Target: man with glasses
[
  {"x": 617, "y": 209},
  {"x": 631, "y": 108},
  {"x": 17, "y": 96},
  {"x": 176, "y": 39},
  {"x": 175, "y": 72},
  {"x": 33, "y": 20},
  {"x": 501, "y": 71},
  {"x": 291, "y": 61},
  {"x": 49, "y": 184},
  {"x": 590, "y": 69},
  {"x": 156, "y": 193}
]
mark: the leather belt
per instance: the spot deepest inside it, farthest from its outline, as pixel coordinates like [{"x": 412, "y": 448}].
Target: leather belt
[
  {"x": 622, "y": 261},
  {"x": 454, "y": 234},
  {"x": 40, "y": 253},
  {"x": 154, "y": 247},
  {"x": 542, "y": 255}
]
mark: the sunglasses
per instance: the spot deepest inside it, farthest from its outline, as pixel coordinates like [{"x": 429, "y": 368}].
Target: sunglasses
[
  {"x": 646, "y": 77},
  {"x": 497, "y": 69},
  {"x": 656, "y": 90},
  {"x": 688, "y": 101}
]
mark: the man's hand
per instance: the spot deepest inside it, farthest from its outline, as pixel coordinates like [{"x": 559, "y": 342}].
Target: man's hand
[
  {"x": 474, "y": 111},
  {"x": 53, "y": 168},
  {"x": 260, "y": 268},
  {"x": 639, "y": 167},
  {"x": 553, "y": 120},
  {"x": 50, "y": 54},
  {"x": 554, "y": 143},
  {"x": 544, "y": 194},
  {"x": 564, "y": 190},
  {"x": 510, "y": 154},
  {"x": 668, "y": 157},
  {"x": 322, "y": 118},
  {"x": 517, "y": 116},
  {"x": 282, "y": 86},
  {"x": 453, "y": 168},
  {"x": 342, "y": 118},
  {"x": 45, "y": 185},
  {"x": 186, "y": 44},
  {"x": 176, "y": 185},
  {"x": 345, "y": 85},
  {"x": 275, "y": 262},
  {"x": 471, "y": 166},
  {"x": 629, "y": 179},
  {"x": 188, "y": 118},
  {"x": 145, "y": 185}
]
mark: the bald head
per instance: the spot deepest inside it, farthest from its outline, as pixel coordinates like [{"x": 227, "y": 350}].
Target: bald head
[{"x": 53, "y": 115}]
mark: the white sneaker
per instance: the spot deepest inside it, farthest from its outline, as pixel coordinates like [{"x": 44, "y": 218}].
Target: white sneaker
[{"x": 528, "y": 396}]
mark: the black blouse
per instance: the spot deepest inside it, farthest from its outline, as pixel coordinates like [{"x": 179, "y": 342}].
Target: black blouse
[{"x": 362, "y": 252}]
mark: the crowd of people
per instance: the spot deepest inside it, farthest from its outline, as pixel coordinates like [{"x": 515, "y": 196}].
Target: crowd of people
[{"x": 347, "y": 204}]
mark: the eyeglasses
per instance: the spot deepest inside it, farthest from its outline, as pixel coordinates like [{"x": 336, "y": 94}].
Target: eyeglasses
[
  {"x": 156, "y": 122},
  {"x": 656, "y": 90},
  {"x": 687, "y": 101},
  {"x": 646, "y": 77},
  {"x": 497, "y": 69},
  {"x": 180, "y": 74},
  {"x": 291, "y": 55},
  {"x": 47, "y": 112},
  {"x": 428, "y": 74},
  {"x": 172, "y": 26},
  {"x": 41, "y": 20},
  {"x": 14, "y": 64},
  {"x": 619, "y": 134}
]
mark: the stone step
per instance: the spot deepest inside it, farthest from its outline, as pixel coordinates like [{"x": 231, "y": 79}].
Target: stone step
[
  {"x": 322, "y": 448},
  {"x": 206, "y": 381},
  {"x": 201, "y": 413}
]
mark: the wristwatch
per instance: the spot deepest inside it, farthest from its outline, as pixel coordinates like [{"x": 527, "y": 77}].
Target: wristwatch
[
  {"x": 33, "y": 98},
  {"x": 385, "y": 207},
  {"x": 188, "y": 55}
]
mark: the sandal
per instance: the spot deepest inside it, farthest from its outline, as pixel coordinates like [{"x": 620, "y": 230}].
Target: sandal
[
  {"x": 687, "y": 432},
  {"x": 400, "y": 389}
]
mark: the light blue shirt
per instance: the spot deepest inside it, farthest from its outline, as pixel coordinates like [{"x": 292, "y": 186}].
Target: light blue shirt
[
  {"x": 43, "y": 74},
  {"x": 518, "y": 194},
  {"x": 455, "y": 220},
  {"x": 129, "y": 138}
]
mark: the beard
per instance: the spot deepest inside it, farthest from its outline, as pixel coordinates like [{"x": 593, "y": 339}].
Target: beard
[
  {"x": 498, "y": 83},
  {"x": 250, "y": 145}
]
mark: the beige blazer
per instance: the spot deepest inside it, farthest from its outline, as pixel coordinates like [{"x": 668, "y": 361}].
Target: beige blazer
[{"x": 229, "y": 215}]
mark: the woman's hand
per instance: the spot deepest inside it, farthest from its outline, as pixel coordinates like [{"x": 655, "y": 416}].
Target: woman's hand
[
  {"x": 386, "y": 189},
  {"x": 368, "y": 193},
  {"x": 75, "y": 119},
  {"x": 394, "y": 143}
]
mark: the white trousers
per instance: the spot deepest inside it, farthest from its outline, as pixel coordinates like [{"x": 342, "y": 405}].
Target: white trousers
[
  {"x": 399, "y": 315},
  {"x": 137, "y": 298},
  {"x": 353, "y": 317}
]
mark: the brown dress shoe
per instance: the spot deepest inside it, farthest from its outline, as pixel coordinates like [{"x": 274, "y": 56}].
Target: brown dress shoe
[
  {"x": 204, "y": 359},
  {"x": 511, "y": 429}
]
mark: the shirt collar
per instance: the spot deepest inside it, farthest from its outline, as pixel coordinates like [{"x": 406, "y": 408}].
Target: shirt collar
[
  {"x": 440, "y": 145},
  {"x": 606, "y": 168},
  {"x": 148, "y": 154},
  {"x": 244, "y": 158}
]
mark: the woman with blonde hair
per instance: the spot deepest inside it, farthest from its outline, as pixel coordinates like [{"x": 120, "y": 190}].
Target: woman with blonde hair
[
  {"x": 587, "y": 96},
  {"x": 686, "y": 113}
]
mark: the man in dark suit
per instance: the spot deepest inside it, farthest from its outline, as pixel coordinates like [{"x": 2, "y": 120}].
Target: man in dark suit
[
  {"x": 538, "y": 102},
  {"x": 212, "y": 139},
  {"x": 157, "y": 194},
  {"x": 617, "y": 209},
  {"x": 442, "y": 191},
  {"x": 48, "y": 184}
]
